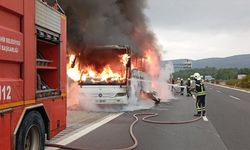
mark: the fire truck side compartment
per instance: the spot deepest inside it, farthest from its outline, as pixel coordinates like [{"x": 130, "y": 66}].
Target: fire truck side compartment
[{"x": 18, "y": 64}]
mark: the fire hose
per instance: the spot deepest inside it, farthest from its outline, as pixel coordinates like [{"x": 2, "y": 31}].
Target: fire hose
[{"x": 131, "y": 132}]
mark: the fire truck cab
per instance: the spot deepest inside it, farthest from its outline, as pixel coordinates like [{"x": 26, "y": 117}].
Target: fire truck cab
[{"x": 33, "y": 73}]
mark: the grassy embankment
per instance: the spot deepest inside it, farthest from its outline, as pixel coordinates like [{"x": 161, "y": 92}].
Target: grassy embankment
[{"x": 243, "y": 83}]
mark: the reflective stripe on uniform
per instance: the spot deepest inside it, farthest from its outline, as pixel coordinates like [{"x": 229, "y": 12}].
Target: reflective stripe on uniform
[
  {"x": 198, "y": 108},
  {"x": 203, "y": 108},
  {"x": 202, "y": 92}
]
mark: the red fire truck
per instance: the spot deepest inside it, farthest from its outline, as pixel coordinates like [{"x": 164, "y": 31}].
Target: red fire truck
[{"x": 32, "y": 73}]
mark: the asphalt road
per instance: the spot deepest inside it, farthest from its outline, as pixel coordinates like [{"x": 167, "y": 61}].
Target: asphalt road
[
  {"x": 229, "y": 112},
  {"x": 227, "y": 128},
  {"x": 200, "y": 135}
]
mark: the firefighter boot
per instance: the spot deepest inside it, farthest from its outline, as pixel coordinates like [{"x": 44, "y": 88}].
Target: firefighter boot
[
  {"x": 203, "y": 113},
  {"x": 198, "y": 114}
]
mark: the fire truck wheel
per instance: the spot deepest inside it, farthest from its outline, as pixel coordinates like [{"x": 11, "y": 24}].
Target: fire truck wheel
[{"x": 31, "y": 134}]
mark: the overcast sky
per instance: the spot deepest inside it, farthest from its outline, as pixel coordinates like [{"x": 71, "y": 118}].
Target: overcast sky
[{"x": 198, "y": 29}]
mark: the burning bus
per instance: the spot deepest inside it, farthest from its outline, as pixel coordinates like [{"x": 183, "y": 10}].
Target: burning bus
[
  {"x": 102, "y": 72},
  {"x": 105, "y": 74}
]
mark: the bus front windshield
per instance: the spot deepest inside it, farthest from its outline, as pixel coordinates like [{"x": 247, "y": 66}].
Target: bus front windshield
[{"x": 103, "y": 67}]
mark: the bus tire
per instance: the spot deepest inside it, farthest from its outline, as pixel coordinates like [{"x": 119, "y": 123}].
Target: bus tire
[{"x": 31, "y": 134}]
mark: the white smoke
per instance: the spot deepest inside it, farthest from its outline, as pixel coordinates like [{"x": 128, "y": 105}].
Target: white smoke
[
  {"x": 72, "y": 94},
  {"x": 135, "y": 102},
  {"x": 77, "y": 100},
  {"x": 163, "y": 84},
  {"x": 83, "y": 101}
]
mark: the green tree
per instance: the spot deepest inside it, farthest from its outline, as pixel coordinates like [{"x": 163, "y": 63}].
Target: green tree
[
  {"x": 227, "y": 74},
  {"x": 244, "y": 71}
]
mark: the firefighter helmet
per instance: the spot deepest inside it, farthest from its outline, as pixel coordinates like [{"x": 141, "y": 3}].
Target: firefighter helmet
[{"x": 197, "y": 75}]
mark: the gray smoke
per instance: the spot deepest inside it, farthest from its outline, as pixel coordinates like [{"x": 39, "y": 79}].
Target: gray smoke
[{"x": 103, "y": 22}]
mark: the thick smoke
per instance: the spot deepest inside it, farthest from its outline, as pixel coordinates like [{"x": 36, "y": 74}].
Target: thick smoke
[
  {"x": 104, "y": 22},
  {"x": 111, "y": 22}
]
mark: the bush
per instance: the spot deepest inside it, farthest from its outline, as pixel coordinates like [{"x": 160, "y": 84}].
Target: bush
[
  {"x": 245, "y": 82},
  {"x": 232, "y": 82}
]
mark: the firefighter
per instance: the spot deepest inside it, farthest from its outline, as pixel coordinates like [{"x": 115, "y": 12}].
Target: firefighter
[
  {"x": 172, "y": 87},
  {"x": 182, "y": 88},
  {"x": 188, "y": 85},
  {"x": 200, "y": 95}
]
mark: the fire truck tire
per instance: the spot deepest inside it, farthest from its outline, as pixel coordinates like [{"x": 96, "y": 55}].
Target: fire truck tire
[{"x": 31, "y": 134}]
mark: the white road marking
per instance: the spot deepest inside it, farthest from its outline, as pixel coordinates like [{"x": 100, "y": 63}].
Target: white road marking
[
  {"x": 204, "y": 118},
  {"x": 87, "y": 130},
  {"x": 160, "y": 109},
  {"x": 218, "y": 91},
  {"x": 234, "y": 97},
  {"x": 229, "y": 88}
]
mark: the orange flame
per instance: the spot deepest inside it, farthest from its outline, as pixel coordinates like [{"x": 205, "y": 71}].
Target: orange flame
[
  {"x": 124, "y": 59},
  {"x": 148, "y": 58},
  {"x": 73, "y": 73},
  {"x": 89, "y": 74},
  {"x": 152, "y": 63}
]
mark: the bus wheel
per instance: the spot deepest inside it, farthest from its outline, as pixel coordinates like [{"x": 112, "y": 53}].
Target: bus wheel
[{"x": 31, "y": 134}]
